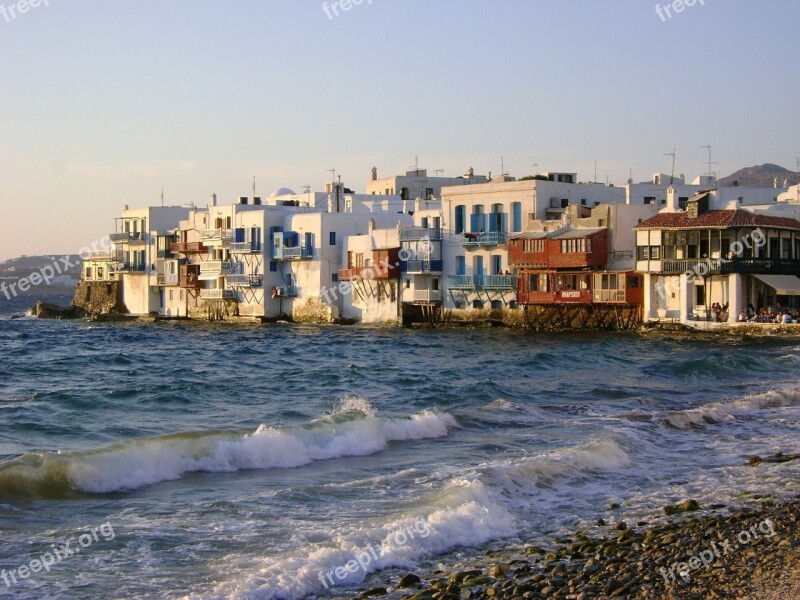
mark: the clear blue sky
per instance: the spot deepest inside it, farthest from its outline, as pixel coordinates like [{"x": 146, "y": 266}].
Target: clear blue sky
[{"x": 104, "y": 102}]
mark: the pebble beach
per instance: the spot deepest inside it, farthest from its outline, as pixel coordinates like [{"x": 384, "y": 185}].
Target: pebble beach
[{"x": 749, "y": 552}]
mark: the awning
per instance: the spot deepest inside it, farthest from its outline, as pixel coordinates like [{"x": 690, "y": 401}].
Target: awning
[
  {"x": 214, "y": 276},
  {"x": 785, "y": 285}
]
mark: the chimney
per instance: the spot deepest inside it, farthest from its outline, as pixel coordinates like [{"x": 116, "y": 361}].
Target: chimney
[
  {"x": 214, "y": 199},
  {"x": 374, "y": 173},
  {"x": 672, "y": 200}
]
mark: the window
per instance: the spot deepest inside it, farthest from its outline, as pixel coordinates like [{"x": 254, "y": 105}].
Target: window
[
  {"x": 537, "y": 282},
  {"x": 516, "y": 216},
  {"x": 435, "y": 284},
  {"x": 460, "y": 218},
  {"x": 643, "y": 252},
  {"x": 335, "y": 278},
  {"x": 273, "y": 266},
  {"x": 332, "y": 240}
]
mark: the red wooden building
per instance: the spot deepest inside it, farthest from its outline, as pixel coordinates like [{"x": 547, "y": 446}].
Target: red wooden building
[{"x": 570, "y": 266}]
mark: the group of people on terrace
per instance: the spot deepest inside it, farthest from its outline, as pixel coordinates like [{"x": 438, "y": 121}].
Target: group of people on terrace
[{"x": 778, "y": 314}]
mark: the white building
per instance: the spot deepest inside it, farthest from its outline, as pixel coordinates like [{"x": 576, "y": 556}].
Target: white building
[
  {"x": 416, "y": 183},
  {"x": 140, "y": 249},
  {"x": 704, "y": 255}
]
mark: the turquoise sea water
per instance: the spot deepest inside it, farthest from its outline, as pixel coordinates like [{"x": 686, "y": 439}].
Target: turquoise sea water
[{"x": 248, "y": 462}]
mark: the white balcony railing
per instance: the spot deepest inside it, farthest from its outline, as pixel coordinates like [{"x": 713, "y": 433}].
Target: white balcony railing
[
  {"x": 211, "y": 236},
  {"x": 427, "y": 296},
  {"x": 218, "y": 294},
  {"x": 219, "y": 267}
]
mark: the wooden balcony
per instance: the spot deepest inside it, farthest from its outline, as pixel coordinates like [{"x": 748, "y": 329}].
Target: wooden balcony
[
  {"x": 559, "y": 297},
  {"x": 188, "y": 248},
  {"x": 761, "y": 266}
]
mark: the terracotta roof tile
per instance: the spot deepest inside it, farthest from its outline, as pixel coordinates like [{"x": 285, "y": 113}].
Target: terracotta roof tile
[{"x": 717, "y": 219}]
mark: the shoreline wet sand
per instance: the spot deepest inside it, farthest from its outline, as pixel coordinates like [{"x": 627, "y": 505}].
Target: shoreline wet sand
[{"x": 749, "y": 552}]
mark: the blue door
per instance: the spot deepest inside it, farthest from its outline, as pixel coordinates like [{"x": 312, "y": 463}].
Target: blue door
[{"x": 461, "y": 265}]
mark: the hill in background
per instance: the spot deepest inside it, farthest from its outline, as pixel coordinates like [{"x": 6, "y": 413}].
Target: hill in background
[
  {"x": 14, "y": 270},
  {"x": 760, "y": 176}
]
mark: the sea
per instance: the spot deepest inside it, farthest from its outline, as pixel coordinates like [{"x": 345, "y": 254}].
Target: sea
[{"x": 197, "y": 460}]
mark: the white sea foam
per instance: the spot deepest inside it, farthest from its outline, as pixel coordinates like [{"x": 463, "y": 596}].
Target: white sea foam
[
  {"x": 469, "y": 511},
  {"x": 131, "y": 465},
  {"x": 716, "y": 412},
  {"x": 463, "y": 514}
]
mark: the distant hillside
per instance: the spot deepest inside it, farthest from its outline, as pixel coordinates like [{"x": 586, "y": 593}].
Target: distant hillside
[
  {"x": 760, "y": 176},
  {"x": 65, "y": 270}
]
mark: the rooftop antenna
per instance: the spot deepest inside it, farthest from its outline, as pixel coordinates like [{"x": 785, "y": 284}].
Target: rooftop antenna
[
  {"x": 672, "y": 173},
  {"x": 254, "y": 186},
  {"x": 535, "y": 168},
  {"x": 710, "y": 172},
  {"x": 595, "y": 170},
  {"x": 438, "y": 171},
  {"x": 332, "y": 172},
  {"x": 502, "y": 166},
  {"x": 415, "y": 166},
  {"x": 162, "y": 196}
]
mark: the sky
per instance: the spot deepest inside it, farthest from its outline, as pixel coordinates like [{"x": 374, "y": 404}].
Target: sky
[{"x": 104, "y": 103}]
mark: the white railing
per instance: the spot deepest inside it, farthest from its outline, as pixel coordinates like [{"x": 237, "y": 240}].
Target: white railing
[
  {"x": 226, "y": 235},
  {"x": 427, "y": 295},
  {"x": 220, "y": 267},
  {"x": 218, "y": 294}
]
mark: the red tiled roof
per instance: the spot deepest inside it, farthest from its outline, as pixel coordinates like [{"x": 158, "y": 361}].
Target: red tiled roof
[{"x": 717, "y": 219}]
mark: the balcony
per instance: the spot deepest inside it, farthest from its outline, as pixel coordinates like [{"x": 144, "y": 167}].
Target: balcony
[
  {"x": 482, "y": 282},
  {"x": 709, "y": 266},
  {"x": 373, "y": 272},
  {"x": 292, "y": 253},
  {"x": 462, "y": 282},
  {"x": 217, "y": 237},
  {"x": 421, "y": 266},
  {"x": 412, "y": 234},
  {"x": 187, "y": 248},
  {"x": 493, "y": 238},
  {"x": 284, "y": 291},
  {"x": 253, "y": 247},
  {"x": 249, "y": 281},
  {"x": 168, "y": 279},
  {"x": 218, "y": 294},
  {"x": 427, "y": 296},
  {"x": 127, "y": 267},
  {"x": 559, "y": 297},
  {"x": 219, "y": 267},
  {"x": 127, "y": 237},
  {"x": 761, "y": 266},
  {"x": 499, "y": 282}
]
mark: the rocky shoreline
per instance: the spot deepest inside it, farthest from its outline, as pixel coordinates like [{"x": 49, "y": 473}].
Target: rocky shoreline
[{"x": 692, "y": 553}]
